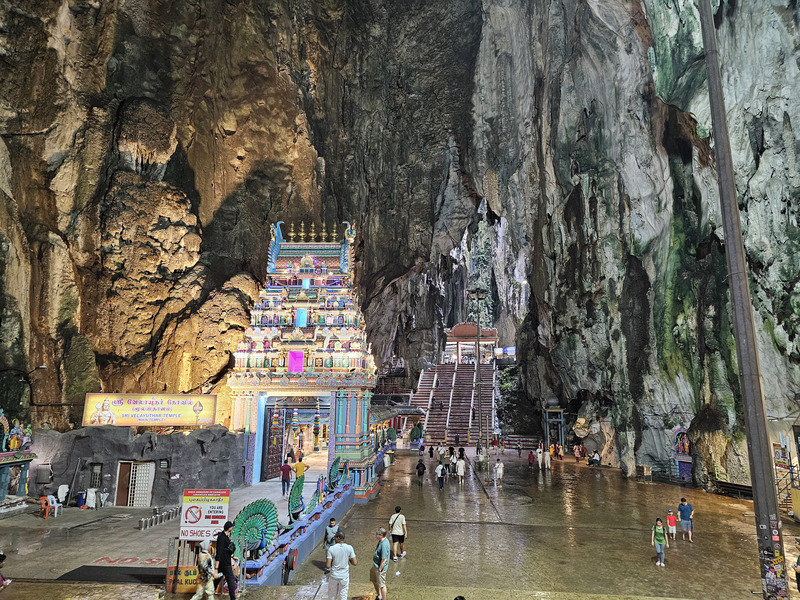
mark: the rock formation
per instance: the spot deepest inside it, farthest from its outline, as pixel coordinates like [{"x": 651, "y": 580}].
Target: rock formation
[{"x": 145, "y": 149}]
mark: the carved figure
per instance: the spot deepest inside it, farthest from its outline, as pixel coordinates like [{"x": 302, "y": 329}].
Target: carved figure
[{"x": 103, "y": 415}]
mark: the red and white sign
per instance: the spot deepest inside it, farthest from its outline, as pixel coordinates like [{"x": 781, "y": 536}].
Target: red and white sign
[{"x": 204, "y": 513}]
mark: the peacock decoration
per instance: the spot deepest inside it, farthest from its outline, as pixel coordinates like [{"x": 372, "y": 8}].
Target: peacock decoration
[
  {"x": 296, "y": 504},
  {"x": 257, "y": 524},
  {"x": 333, "y": 474},
  {"x": 319, "y": 495}
]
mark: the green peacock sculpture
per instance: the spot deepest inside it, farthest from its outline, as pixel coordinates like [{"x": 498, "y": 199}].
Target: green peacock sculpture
[
  {"x": 296, "y": 504},
  {"x": 257, "y": 524},
  {"x": 333, "y": 474}
]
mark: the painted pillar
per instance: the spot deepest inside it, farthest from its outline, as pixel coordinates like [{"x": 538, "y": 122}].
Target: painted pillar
[
  {"x": 350, "y": 438},
  {"x": 5, "y": 479},
  {"x": 248, "y": 425}
]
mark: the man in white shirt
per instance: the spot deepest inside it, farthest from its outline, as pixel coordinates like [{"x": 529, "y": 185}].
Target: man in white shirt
[
  {"x": 399, "y": 531},
  {"x": 339, "y": 557},
  {"x": 440, "y": 471},
  {"x": 499, "y": 469}
]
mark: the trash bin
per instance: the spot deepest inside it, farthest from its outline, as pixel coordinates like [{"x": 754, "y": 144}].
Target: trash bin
[{"x": 81, "y": 498}]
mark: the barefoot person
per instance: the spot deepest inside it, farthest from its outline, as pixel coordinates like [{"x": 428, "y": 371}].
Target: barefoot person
[
  {"x": 671, "y": 520},
  {"x": 380, "y": 564},
  {"x": 338, "y": 559},
  {"x": 658, "y": 539},
  {"x": 686, "y": 513}
]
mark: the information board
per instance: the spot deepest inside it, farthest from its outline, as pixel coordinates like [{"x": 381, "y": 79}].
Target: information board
[
  {"x": 204, "y": 513},
  {"x": 133, "y": 410}
]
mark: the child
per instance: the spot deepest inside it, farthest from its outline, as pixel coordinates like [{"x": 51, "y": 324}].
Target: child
[
  {"x": 4, "y": 583},
  {"x": 671, "y": 523}
]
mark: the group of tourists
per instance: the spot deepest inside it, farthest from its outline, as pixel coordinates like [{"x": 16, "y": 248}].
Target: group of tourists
[
  {"x": 660, "y": 535},
  {"x": 450, "y": 463},
  {"x": 339, "y": 556}
]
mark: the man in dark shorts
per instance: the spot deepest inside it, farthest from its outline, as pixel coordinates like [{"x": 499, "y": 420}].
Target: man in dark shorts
[{"x": 399, "y": 531}]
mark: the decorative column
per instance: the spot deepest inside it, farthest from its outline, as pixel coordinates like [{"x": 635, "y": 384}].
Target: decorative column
[
  {"x": 351, "y": 440},
  {"x": 5, "y": 478}
]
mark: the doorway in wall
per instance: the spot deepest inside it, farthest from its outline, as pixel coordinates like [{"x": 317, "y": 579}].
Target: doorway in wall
[{"x": 135, "y": 483}]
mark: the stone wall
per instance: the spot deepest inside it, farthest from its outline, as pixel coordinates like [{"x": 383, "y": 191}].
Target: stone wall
[
  {"x": 144, "y": 150},
  {"x": 204, "y": 458}
]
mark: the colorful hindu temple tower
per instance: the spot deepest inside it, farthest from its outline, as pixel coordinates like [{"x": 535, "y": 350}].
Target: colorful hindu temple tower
[{"x": 304, "y": 374}]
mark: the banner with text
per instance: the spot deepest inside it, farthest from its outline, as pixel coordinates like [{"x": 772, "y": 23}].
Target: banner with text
[
  {"x": 204, "y": 513},
  {"x": 148, "y": 410}
]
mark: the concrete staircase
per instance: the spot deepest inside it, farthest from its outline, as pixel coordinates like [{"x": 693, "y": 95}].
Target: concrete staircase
[{"x": 448, "y": 393}]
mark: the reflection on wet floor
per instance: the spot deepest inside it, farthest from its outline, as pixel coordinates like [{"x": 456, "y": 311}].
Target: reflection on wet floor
[{"x": 574, "y": 532}]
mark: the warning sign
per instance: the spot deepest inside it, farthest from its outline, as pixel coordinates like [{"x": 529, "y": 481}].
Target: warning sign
[{"x": 204, "y": 513}]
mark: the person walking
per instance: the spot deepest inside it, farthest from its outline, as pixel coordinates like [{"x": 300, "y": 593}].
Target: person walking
[
  {"x": 420, "y": 471},
  {"x": 430, "y": 451},
  {"x": 519, "y": 450},
  {"x": 671, "y": 523},
  {"x": 458, "y": 437},
  {"x": 440, "y": 472},
  {"x": 399, "y": 532},
  {"x": 222, "y": 558},
  {"x": 686, "y": 513},
  {"x": 380, "y": 564},
  {"x": 499, "y": 469},
  {"x": 286, "y": 476},
  {"x": 205, "y": 573},
  {"x": 453, "y": 463},
  {"x": 422, "y": 449},
  {"x": 540, "y": 454},
  {"x": 330, "y": 533},
  {"x": 577, "y": 452},
  {"x": 338, "y": 559},
  {"x": 548, "y": 456},
  {"x": 658, "y": 539},
  {"x": 461, "y": 469},
  {"x": 440, "y": 451},
  {"x": 531, "y": 460}
]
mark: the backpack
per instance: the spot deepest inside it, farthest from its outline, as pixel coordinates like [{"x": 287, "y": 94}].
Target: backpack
[{"x": 205, "y": 567}]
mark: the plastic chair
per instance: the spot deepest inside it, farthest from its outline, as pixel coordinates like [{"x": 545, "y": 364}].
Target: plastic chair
[
  {"x": 55, "y": 505},
  {"x": 45, "y": 508}
]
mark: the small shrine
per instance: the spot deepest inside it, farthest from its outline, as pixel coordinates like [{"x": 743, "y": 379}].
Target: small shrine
[
  {"x": 15, "y": 460},
  {"x": 304, "y": 375}
]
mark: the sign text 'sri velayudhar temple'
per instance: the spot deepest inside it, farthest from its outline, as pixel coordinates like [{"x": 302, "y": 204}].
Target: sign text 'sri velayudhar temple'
[{"x": 305, "y": 360}]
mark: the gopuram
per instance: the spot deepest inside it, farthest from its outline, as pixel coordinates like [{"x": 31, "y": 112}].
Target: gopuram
[{"x": 304, "y": 368}]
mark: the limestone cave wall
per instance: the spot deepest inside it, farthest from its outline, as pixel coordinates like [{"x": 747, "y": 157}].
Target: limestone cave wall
[{"x": 146, "y": 147}]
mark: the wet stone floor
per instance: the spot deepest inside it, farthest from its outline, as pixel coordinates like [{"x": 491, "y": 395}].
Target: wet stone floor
[
  {"x": 572, "y": 533},
  {"x": 575, "y": 532}
]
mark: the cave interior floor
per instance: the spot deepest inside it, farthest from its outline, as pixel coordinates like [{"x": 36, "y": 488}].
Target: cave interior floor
[{"x": 574, "y": 532}]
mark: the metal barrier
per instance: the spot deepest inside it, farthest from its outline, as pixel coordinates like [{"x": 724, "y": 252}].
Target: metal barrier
[{"x": 160, "y": 515}]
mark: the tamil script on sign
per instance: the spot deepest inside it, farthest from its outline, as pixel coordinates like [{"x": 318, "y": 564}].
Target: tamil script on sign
[
  {"x": 133, "y": 410},
  {"x": 204, "y": 513}
]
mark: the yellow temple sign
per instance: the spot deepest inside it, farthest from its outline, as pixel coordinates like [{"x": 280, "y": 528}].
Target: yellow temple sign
[{"x": 150, "y": 410}]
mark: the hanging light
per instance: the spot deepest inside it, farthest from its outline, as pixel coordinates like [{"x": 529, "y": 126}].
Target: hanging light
[
  {"x": 316, "y": 427},
  {"x": 295, "y": 420},
  {"x": 276, "y": 426}
]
